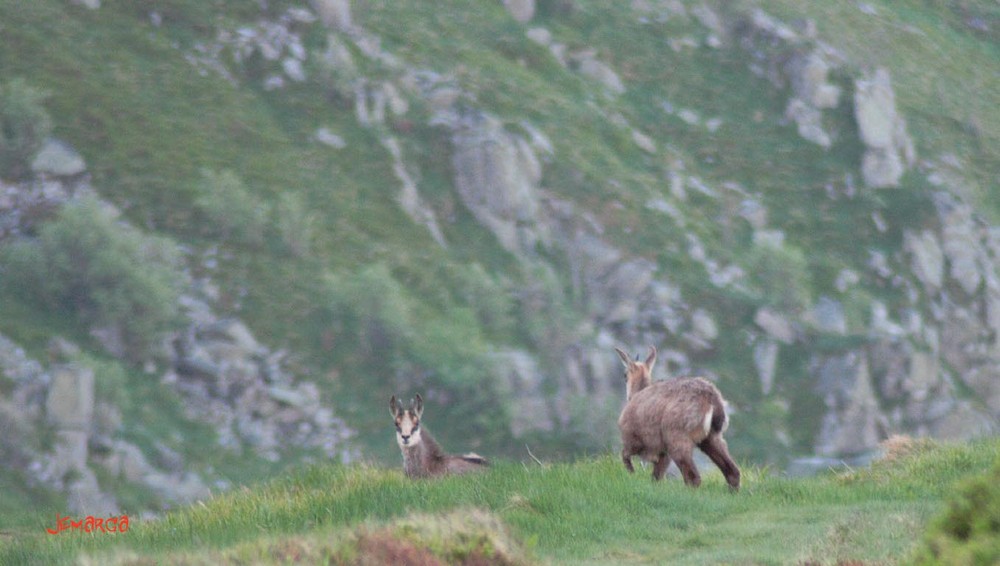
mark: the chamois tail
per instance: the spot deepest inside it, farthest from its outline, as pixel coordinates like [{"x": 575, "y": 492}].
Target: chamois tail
[
  {"x": 720, "y": 419},
  {"x": 474, "y": 458}
]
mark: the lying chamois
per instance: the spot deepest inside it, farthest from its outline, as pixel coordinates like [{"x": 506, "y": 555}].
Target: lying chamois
[
  {"x": 422, "y": 456},
  {"x": 665, "y": 420}
]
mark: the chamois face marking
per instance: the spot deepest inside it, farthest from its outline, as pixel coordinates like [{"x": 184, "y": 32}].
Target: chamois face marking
[
  {"x": 407, "y": 421},
  {"x": 638, "y": 375}
]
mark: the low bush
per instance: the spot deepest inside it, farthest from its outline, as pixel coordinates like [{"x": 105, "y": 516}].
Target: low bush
[
  {"x": 968, "y": 532},
  {"x": 232, "y": 212},
  {"x": 88, "y": 262},
  {"x": 24, "y": 125},
  {"x": 779, "y": 276}
]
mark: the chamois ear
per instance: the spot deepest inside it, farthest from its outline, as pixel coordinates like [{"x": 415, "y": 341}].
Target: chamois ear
[
  {"x": 651, "y": 359},
  {"x": 393, "y": 407},
  {"x": 418, "y": 407},
  {"x": 624, "y": 358}
]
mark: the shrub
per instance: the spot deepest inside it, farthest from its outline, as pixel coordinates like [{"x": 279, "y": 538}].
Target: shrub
[
  {"x": 492, "y": 302},
  {"x": 296, "y": 224},
  {"x": 968, "y": 532},
  {"x": 779, "y": 276},
  {"x": 233, "y": 213},
  {"x": 391, "y": 333},
  {"x": 102, "y": 270},
  {"x": 24, "y": 125},
  {"x": 374, "y": 306},
  {"x": 110, "y": 381}
]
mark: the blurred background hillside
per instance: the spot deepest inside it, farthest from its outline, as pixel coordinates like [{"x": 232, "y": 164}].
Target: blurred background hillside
[{"x": 229, "y": 231}]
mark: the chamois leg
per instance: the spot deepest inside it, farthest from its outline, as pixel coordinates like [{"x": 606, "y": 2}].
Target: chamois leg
[
  {"x": 627, "y": 459},
  {"x": 660, "y": 466},
  {"x": 716, "y": 449},
  {"x": 682, "y": 456}
]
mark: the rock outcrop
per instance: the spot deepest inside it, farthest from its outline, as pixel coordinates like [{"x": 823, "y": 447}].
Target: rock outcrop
[
  {"x": 496, "y": 174},
  {"x": 890, "y": 151},
  {"x": 228, "y": 379},
  {"x": 335, "y": 14},
  {"x": 521, "y": 10}
]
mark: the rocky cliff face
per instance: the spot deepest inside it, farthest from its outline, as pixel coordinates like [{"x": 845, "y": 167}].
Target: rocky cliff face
[
  {"x": 221, "y": 373},
  {"x": 920, "y": 356}
]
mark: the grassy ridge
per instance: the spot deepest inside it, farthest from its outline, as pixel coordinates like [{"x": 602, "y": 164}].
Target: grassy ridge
[{"x": 586, "y": 512}]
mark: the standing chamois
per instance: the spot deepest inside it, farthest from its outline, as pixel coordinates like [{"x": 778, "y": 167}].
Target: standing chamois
[
  {"x": 665, "y": 420},
  {"x": 422, "y": 456}
]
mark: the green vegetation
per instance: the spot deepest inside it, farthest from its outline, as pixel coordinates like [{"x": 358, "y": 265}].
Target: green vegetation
[
  {"x": 233, "y": 213},
  {"x": 780, "y": 276},
  {"x": 587, "y": 512},
  {"x": 968, "y": 532},
  {"x": 86, "y": 262},
  {"x": 308, "y": 245},
  {"x": 24, "y": 124}
]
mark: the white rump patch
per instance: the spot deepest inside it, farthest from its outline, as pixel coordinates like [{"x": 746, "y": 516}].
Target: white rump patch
[{"x": 706, "y": 423}]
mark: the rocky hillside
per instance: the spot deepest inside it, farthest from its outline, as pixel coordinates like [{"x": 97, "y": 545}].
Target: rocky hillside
[{"x": 229, "y": 231}]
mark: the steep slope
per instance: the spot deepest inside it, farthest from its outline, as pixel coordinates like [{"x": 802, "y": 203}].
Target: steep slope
[{"x": 476, "y": 202}]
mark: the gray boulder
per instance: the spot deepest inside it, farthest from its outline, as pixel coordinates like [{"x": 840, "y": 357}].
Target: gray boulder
[
  {"x": 59, "y": 159},
  {"x": 853, "y": 422},
  {"x": 589, "y": 66},
  {"x": 928, "y": 258},
  {"x": 70, "y": 401},
  {"x": 961, "y": 242},
  {"x": 883, "y": 131},
  {"x": 828, "y": 316},
  {"x": 808, "y": 75},
  {"x": 335, "y": 14},
  {"x": 776, "y": 325},
  {"x": 496, "y": 174},
  {"x": 520, "y": 379},
  {"x": 765, "y": 360},
  {"x": 521, "y": 10}
]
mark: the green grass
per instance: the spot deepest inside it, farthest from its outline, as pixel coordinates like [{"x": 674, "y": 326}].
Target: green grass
[{"x": 590, "y": 512}]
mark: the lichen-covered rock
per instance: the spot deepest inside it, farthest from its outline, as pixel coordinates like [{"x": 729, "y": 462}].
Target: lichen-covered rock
[
  {"x": 928, "y": 258},
  {"x": 59, "y": 159},
  {"x": 70, "y": 401},
  {"x": 409, "y": 196},
  {"x": 589, "y": 66},
  {"x": 765, "y": 360},
  {"x": 854, "y": 422},
  {"x": 776, "y": 325},
  {"x": 883, "y": 131},
  {"x": 335, "y": 14},
  {"x": 809, "y": 121},
  {"x": 520, "y": 380},
  {"x": 521, "y": 10},
  {"x": 496, "y": 175},
  {"x": 961, "y": 240},
  {"x": 231, "y": 381}
]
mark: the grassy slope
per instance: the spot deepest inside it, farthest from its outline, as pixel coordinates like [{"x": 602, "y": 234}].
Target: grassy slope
[
  {"x": 943, "y": 71},
  {"x": 587, "y": 512},
  {"x": 147, "y": 122}
]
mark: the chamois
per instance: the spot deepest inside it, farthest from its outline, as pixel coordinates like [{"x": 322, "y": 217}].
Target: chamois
[
  {"x": 665, "y": 420},
  {"x": 422, "y": 456}
]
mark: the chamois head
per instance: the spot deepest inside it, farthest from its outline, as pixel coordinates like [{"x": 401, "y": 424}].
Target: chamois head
[
  {"x": 638, "y": 375},
  {"x": 407, "y": 421}
]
